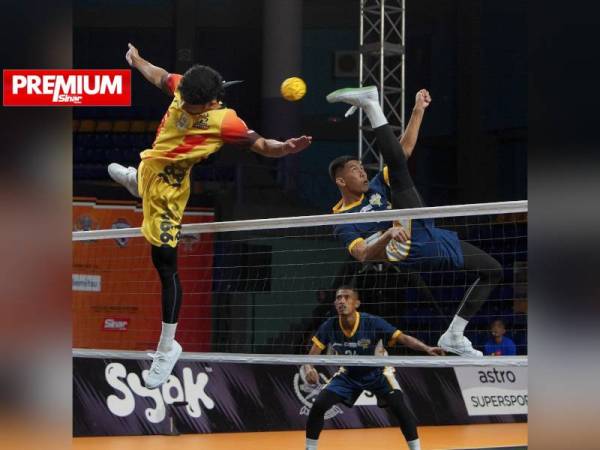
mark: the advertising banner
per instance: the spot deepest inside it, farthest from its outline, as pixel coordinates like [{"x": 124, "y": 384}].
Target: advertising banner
[
  {"x": 116, "y": 290},
  {"x": 110, "y": 399},
  {"x": 493, "y": 390}
]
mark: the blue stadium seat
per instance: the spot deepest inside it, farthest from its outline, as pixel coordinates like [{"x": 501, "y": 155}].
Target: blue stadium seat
[
  {"x": 520, "y": 339},
  {"x": 84, "y": 139},
  {"x": 121, "y": 140},
  {"x": 102, "y": 140}
]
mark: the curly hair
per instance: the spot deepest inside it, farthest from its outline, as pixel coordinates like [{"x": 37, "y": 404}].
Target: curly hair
[{"x": 201, "y": 84}]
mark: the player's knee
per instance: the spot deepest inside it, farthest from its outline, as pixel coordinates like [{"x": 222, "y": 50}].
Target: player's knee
[
  {"x": 495, "y": 273},
  {"x": 166, "y": 271},
  {"x": 397, "y": 398},
  {"x": 320, "y": 406},
  {"x": 165, "y": 262},
  {"x": 398, "y": 403}
]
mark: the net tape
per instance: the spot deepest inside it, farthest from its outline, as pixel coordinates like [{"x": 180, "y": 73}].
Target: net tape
[
  {"x": 354, "y": 360},
  {"x": 318, "y": 220}
]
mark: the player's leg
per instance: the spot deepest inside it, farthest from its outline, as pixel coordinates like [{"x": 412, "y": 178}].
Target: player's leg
[
  {"x": 387, "y": 390},
  {"x": 316, "y": 418},
  {"x": 165, "y": 261},
  {"x": 168, "y": 350},
  {"x": 404, "y": 193},
  {"x": 489, "y": 275},
  {"x": 406, "y": 418},
  {"x": 163, "y": 204}
]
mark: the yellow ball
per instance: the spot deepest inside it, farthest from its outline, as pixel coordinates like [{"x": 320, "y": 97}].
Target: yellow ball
[{"x": 293, "y": 89}]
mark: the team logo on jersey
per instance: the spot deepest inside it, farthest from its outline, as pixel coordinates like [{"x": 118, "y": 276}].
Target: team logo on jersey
[
  {"x": 182, "y": 122},
  {"x": 202, "y": 122},
  {"x": 364, "y": 343},
  {"x": 375, "y": 200},
  {"x": 118, "y": 225},
  {"x": 307, "y": 394}
]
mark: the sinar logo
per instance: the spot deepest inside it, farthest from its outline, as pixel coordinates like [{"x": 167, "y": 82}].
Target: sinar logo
[{"x": 307, "y": 393}]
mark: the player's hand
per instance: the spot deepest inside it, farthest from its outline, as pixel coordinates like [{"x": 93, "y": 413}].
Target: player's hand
[
  {"x": 312, "y": 376},
  {"x": 296, "y": 145},
  {"x": 422, "y": 99},
  {"x": 399, "y": 234},
  {"x": 435, "y": 351},
  {"x": 131, "y": 55}
]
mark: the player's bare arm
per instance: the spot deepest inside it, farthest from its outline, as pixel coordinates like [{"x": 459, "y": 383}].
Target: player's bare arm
[
  {"x": 408, "y": 140},
  {"x": 272, "y": 148},
  {"x": 155, "y": 75},
  {"x": 312, "y": 376},
  {"x": 415, "y": 344},
  {"x": 376, "y": 251}
]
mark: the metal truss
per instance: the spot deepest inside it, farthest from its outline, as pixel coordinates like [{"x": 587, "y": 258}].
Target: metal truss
[{"x": 382, "y": 44}]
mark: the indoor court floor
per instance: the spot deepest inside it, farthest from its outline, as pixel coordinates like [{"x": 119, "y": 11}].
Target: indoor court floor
[{"x": 506, "y": 436}]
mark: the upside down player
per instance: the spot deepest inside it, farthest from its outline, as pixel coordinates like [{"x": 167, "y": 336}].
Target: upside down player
[
  {"x": 195, "y": 126},
  {"x": 410, "y": 243},
  {"x": 354, "y": 333}
]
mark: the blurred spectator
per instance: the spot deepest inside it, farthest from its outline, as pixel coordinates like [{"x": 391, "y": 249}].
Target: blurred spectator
[{"x": 499, "y": 345}]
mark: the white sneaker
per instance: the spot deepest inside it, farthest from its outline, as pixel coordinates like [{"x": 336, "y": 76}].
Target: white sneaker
[
  {"x": 162, "y": 366},
  {"x": 457, "y": 343},
  {"x": 125, "y": 176},
  {"x": 357, "y": 97}
]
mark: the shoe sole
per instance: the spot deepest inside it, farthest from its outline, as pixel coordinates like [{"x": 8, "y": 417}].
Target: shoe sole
[
  {"x": 333, "y": 96},
  {"x": 169, "y": 373},
  {"x": 460, "y": 352}
]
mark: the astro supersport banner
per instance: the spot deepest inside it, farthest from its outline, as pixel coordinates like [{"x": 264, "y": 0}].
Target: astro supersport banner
[{"x": 109, "y": 399}]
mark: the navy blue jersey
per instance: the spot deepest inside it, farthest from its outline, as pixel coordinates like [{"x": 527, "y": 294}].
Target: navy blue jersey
[
  {"x": 362, "y": 340},
  {"x": 428, "y": 244}
]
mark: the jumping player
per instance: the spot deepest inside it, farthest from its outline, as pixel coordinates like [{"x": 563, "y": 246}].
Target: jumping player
[
  {"x": 354, "y": 333},
  {"x": 411, "y": 243},
  {"x": 195, "y": 126}
]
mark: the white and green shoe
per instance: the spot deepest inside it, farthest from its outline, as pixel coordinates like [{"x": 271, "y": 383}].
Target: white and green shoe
[{"x": 356, "y": 97}]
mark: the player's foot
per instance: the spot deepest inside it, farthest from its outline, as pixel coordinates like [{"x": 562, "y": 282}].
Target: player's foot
[
  {"x": 162, "y": 366},
  {"x": 457, "y": 343},
  {"x": 357, "y": 97},
  {"x": 125, "y": 176}
]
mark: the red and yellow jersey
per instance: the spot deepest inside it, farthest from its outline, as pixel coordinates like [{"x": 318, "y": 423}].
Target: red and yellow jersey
[{"x": 190, "y": 138}]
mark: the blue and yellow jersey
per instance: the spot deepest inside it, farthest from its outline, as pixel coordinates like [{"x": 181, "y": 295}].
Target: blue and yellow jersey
[
  {"x": 186, "y": 139},
  {"x": 428, "y": 244},
  {"x": 361, "y": 340}
]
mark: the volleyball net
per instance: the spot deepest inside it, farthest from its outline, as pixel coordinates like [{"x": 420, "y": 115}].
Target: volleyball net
[{"x": 263, "y": 287}]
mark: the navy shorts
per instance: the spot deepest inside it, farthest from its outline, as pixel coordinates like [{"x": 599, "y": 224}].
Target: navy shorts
[{"x": 350, "y": 389}]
